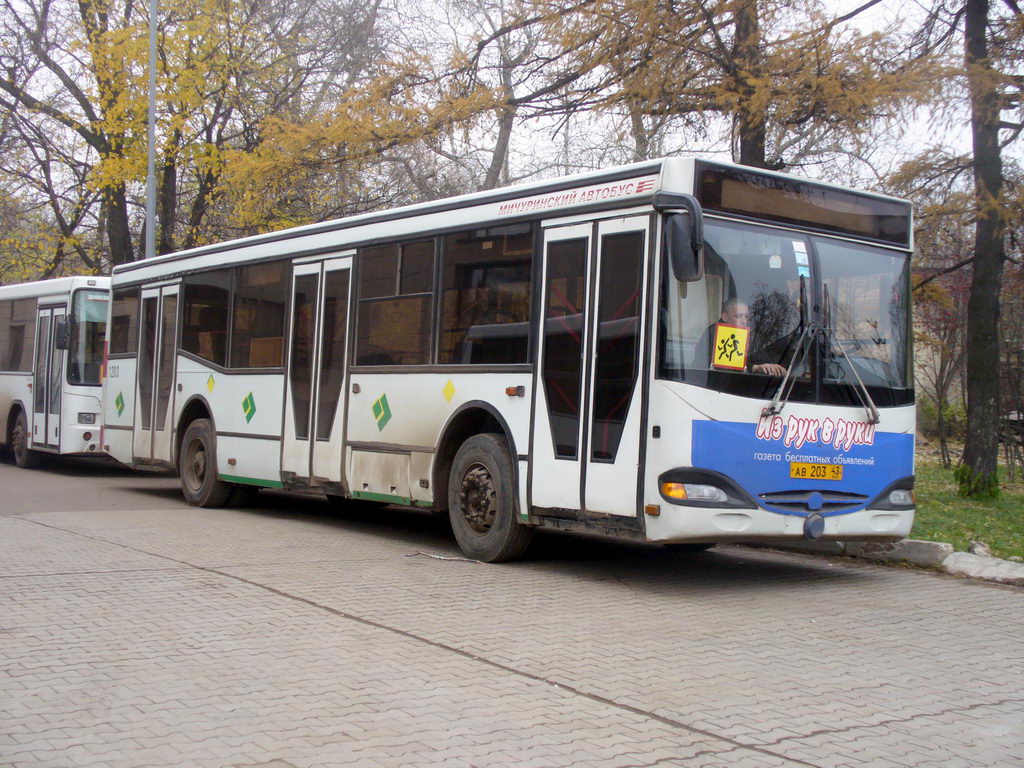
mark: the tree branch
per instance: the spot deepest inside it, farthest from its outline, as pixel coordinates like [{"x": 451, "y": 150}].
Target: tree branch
[
  {"x": 942, "y": 272},
  {"x": 858, "y": 11}
]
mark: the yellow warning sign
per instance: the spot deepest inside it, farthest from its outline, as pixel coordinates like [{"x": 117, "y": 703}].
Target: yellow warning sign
[{"x": 730, "y": 350}]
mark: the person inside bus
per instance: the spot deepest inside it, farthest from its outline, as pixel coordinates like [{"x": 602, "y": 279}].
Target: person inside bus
[{"x": 736, "y": 312}]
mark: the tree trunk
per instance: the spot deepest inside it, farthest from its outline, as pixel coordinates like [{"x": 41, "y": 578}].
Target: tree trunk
[
  {"x": 201, "y": 204},
  {"x": 167, "y": 199},
  {"x": 499, "y": 156},
  {"x": 641, "y": 139},
  {"x": 119, "y": 234},
  {"x": 977, "y": 475},
  {"x": 943, "y": 439},
  {"x": 747, "y": 55}
]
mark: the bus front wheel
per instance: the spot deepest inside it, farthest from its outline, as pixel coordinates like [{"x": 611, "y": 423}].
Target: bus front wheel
[
  {"x": 198, "y": 467},
  {"x": 481, "y": 501},
  {"x": 24, "y": 456}
]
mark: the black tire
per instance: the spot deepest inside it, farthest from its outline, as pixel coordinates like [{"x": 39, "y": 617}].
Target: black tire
[
  {"x": 687, "y": 548},
  {"x": 197, "y": 465},
  {"x": 481, "y": 501},
  {"x": 24, "y": 456}
]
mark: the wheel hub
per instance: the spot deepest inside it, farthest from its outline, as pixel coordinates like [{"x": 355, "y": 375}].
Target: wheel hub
[
  {"x": 478, "y": 498},
  {"x": 196, "y": 465}
]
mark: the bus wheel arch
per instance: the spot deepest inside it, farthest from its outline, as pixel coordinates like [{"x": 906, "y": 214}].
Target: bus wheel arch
[
  {"x": 473, "y": 418},
  {"x": 195, "y": 408}
]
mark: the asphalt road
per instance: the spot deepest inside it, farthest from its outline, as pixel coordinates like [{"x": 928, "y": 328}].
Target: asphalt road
[{"x": 137, "y": 631}]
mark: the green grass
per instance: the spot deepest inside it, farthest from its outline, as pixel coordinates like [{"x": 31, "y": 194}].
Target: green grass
[{"x": 942, "y": 515}]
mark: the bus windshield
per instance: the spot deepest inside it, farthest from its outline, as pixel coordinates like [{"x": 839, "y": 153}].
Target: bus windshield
[
  {"x": 832, "y": 312},
  {"x": 86, "y": 333}
]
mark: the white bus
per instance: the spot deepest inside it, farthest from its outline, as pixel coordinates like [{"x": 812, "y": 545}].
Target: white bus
[
  {"x": 575, "y": 354},
  {"x": 51, "y": 351}
]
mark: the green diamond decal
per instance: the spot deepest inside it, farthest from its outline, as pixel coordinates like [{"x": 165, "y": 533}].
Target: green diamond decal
[
  {"x": 119, "y": 403},
  {"x": 249, "y": 407},
  {"x": 381, "y": 412}
]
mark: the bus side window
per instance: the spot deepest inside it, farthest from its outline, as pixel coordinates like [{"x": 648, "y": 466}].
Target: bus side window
[
  {"x": 395, "y": 299},
  {"x": 257, "y": 329},
  {"x": 485, "y": 309},
  {"x": 23, "y": 334},
  {"x": 124, "y": 321},
  {"x": 204, "y": 329},
  {"x": 6, "y": 329}
]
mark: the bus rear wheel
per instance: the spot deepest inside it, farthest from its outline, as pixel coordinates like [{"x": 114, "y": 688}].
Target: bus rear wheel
[
  {"x": 481, "y": 501},
  {"x": 24, "y": 456},
  {"x": 198, "y": 467}
]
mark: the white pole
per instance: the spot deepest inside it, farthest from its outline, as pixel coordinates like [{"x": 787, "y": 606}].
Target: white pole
[{"x": 151, "y": 139}]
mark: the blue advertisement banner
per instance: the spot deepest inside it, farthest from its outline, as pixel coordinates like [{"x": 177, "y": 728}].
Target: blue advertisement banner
[{"x": 762, "y": 457}]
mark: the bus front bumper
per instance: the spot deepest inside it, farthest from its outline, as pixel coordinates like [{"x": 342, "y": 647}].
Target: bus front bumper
[{"x": 681, "y": 523}]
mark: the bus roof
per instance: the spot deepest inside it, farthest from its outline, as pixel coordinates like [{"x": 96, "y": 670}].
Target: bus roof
[
  {"x": 624, "y": 186},
  {"x": 58, "y": 286}
]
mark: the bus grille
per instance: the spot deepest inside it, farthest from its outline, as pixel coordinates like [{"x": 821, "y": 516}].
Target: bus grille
[{"x": 814, "y": 501}]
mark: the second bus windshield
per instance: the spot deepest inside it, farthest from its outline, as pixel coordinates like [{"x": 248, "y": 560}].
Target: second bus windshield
[{"x": 86, "y": 333}]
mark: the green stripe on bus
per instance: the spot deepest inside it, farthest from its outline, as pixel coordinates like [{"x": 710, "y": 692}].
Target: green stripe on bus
[
  {"x": 388, "y": 499},
  {"x": 252, "y": 481}
]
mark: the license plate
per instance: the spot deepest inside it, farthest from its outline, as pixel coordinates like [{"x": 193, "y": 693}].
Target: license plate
[{"x": 805, "y": 471}]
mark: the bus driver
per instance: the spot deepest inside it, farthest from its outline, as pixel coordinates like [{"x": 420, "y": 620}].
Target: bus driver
[{"x": 737, "y": 312}]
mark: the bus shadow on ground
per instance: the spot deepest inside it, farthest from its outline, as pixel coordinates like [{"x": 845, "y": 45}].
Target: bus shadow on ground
[
  {"x": 592, "y": 557},
  {"x": 75, "y": 466}
]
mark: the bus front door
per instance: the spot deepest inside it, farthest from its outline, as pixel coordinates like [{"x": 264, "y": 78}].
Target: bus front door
[
  {"x": 586, "y": 445},
  {"x": 47, "y": 380},
  {"x": 313, "y": 443},
  {"x": 158, "y": 341}
]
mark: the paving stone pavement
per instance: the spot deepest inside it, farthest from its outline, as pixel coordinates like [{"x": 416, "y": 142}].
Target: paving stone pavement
[{"x": 291, "y": 634}]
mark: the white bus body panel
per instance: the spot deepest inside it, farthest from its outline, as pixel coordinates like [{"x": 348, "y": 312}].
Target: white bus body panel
[
  {"x": 72, "y": 434},
  {"x": 119, "y": 408},
  {"x": 15, "y": 391},
  {"x": 257, "y": 457},
  {"x": 396, "y": 450}
]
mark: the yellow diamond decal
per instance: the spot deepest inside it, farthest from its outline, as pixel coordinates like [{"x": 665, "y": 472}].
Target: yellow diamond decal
[
  {"x": 209, "y": 384},
  {"x": 448, "y": 391}
]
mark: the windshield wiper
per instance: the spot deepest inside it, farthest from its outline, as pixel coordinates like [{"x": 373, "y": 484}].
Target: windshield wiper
[
  {"x": 783, "y": 393},
  {"x": 860, "y": 388}
]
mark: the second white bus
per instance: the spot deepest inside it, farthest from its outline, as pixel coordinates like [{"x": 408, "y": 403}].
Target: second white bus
[{"x": 51, "y": 351}]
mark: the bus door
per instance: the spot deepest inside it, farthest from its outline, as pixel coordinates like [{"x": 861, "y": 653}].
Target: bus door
[
  {"x": 586, "y": 447},
  {"x": 317, "y": 353},
  {"x": 158, "y": 343},
  {"x": 47, "y": 379}
]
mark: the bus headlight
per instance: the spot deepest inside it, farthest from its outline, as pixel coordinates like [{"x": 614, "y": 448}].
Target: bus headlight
[
  {"x": 693, "y": 492},
  {"x": 901, "y": 497},
  {"x": 86, "y": 418}
]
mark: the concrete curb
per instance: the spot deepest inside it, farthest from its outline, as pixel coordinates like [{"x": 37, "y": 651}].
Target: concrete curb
[
  {"x": 987, "y": 568},
  {"x": 925, "y": 554}
]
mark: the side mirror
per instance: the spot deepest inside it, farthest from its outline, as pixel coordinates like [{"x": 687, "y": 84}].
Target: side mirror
[
  {"x": 684, "y": 236},
  {"x": 60, "y": 334},
  {"x": 686, "y": 256}
]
